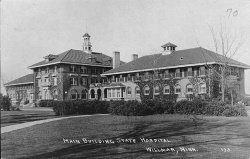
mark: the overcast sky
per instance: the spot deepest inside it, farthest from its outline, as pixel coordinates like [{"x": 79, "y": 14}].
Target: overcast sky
[{"x": 32, "y": 29}]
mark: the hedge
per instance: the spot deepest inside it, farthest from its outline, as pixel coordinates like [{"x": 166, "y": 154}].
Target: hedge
[{"x": 147, "y": 107}]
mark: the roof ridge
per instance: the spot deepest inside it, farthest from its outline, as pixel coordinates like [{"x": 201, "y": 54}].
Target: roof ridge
[{"x": 65, "y": 55}]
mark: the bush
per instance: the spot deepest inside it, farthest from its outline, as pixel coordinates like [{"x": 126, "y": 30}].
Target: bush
[
  {"x": 246, "y": 101},
  {"x": 77, "y": 107},
  {"x": 26, "y": 102},
  {"x": 5, "y": 102},
  {"x": 235, "y": 110}
]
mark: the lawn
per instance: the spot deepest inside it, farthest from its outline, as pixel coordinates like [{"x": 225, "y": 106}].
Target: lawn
[
  {"x": 177, "y": 136},
  {"x": 18, "y": 117}
]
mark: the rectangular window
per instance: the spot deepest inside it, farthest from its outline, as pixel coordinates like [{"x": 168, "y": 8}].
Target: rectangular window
[
  {"x": 73, "y": 81},
  {"x": 93, "y": 70},
  {"x": 72, "y": 68},
  {"x": 166, "y": 91},
  {"x": 83, "y": 81},
  {"x": 178, "y": 90},
  {"x": 55, "y": 81},
  {"x": 84, "y": 69},
  {"x": 118, "y": 93},
  {"x": 190, "y": 89}
]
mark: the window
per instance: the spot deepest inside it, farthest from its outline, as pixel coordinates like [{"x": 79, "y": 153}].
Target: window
[
  {"x": 113, "y": 93},
  {"x": 55, "y": 81},
  {"x": 92, "y": 93},
  {"x": 83, "y": 81},
  {"x": 177, "y": 89},
  {"x": 166, "y": 74},
  {"x": 137, "y": 90},
  {"x": 93, "y": 80},
  {"x": 72, "y": 68},
  {"x": 93, "y": 70},
  {"x": 118, "y": 93},
  {"x": 166, "y": 90},
  {"x": 146, "y": 90},
  {"x": 189, "y": 88},
  {"x": 84, "y": 94},
  {"x": 202, "y": 88},
  {"x": 55, "y": 94},
  {"x": 129, "y": 91},
  {"x": 46, "y": 70},
  {"x": 220, "y": 89},
  {"x": 157, "y": 90},
  {"x": 84, "y": 69},
  {"x": 73, "y": 81},
  {"x": 109, "y": 93},
  {"x": 73, "y": 94},
  {"x": 55, "y": 69}
]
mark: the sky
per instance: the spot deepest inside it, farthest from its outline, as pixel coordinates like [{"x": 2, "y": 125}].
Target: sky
[{"x": 32, "y": 29}]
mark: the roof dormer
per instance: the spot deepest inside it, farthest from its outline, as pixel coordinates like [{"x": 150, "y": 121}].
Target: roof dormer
[{"x": 50, "y": 57}]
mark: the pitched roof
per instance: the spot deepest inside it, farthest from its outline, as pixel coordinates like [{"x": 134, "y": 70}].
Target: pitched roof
[
  {"x": 181, "y": 58},
  {"x": 78, "y": 57},
  {"x": 86, "y": 35},
  {"x": 22, "y": 80},
  {"x": 168, "y": 44}
]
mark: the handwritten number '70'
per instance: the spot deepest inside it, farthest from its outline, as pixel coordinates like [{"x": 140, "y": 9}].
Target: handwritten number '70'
[{"x": 235, "y": 13}]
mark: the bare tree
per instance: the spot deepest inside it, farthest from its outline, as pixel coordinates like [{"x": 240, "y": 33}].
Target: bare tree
[{"x": 227, "y": 44}]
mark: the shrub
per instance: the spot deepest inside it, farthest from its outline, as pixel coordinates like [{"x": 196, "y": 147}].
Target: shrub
[
  {"x": 76, "y": 107},
  {"x": 5, "y": 102},
  {"x": 26, "y": 102},
  {"x": 246, "y": 101},
  {"x": 235, "y": 110}
]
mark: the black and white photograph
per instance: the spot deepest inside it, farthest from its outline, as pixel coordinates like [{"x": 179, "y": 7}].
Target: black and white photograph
[{"x": 125, "y": 79}]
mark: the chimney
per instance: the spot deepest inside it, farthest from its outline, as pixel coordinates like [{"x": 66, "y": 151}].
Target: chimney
[
  {"x": 134, "y": 57},
  {"x": 116, "y": 59}
]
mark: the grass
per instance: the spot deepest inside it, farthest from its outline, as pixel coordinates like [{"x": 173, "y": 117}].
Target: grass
[
  {"x": 208, "y": 136},
  {"x": 18, "y": 117}
]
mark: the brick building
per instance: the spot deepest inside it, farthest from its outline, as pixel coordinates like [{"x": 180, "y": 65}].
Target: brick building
[
  {"x": 21, "y": 89},
  {"x": 173, "y": 75}
]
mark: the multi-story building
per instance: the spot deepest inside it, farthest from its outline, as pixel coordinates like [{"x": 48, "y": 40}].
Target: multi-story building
[
  {"x": 65, "y": 76},
  {"x": 69, "y": 74},
  {"x": 172, "y": 75},
  {"x": 21, "y": 89}
]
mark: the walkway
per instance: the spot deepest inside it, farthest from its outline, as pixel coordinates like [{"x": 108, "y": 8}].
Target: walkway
[{"x": 29, "y": 124}]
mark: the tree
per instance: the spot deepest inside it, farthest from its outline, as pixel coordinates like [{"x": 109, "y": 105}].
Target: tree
[
  {"x": 5, "y": 102},
  {"x": 227, "y": 45}
]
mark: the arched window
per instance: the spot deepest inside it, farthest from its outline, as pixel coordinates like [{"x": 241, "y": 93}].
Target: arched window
[
  {"x": 146, "y": 90},
  {"x": 129, "y": 90},
  {"x": 92, "y": 93},
  {"x": 73, "y": 94},
  {"x": 202, "y": 88},
  {"x": 55, "y": 94},
  {"x": 137, "y": 90},
  {"x": 157, "y": 89},
  {"x": 84, "y": 94},
  {"x": 189, "y": 88},
  {"x": 177, "y": 89},
  {"x": 166, "y": 89}
]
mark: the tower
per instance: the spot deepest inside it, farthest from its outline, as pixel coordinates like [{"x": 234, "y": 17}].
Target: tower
[{"x": 86, "y": 44}]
